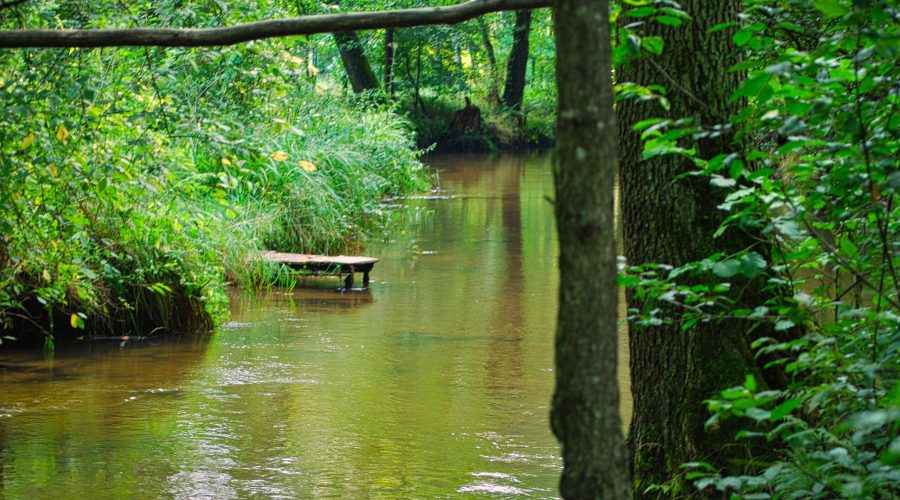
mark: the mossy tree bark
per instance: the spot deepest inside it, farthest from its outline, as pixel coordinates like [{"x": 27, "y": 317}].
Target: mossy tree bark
[
  {"x": 517, "y": 65},
  {"x": 585, "y": 415},
  {"x": 360, "y": 73},
  {"x": 673, "y": 221}
]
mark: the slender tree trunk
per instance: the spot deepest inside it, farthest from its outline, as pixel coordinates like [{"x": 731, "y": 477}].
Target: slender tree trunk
[
  {"x": 518, "y": 62},
  {"x": 457, "y": 61},
  {"x": 360, "y": 73},
  {"x": 493, "y": 90},
  {"x": 672, "y": 221},
  {"x": 389, "y": 61},
  {"x": 311, "y": 66},
  {"x": 417, "y": 97},
  {"x": 585, "y": 415}
]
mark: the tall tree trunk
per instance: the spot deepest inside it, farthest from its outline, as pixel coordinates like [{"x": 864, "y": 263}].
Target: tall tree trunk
[
  {"x": 359, "y": 71},
  {"x": 672, "y": 221},
  {"x": 389, "y": 61},
  {"x": 493, "y": 90},
  {"x": 417, "y": 98},
  {"x": 585, "y": 415},
  {"x": 518, "y": 61}
]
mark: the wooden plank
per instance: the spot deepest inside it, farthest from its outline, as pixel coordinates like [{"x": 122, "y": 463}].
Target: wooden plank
[{"x": 333, "y": 263}]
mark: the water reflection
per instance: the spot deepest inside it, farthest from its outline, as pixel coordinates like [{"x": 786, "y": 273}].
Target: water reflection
[{"x": 435, "y": 382}]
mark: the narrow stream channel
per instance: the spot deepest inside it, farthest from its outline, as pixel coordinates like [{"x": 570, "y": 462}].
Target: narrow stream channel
[{"x": 436, "y": 382}]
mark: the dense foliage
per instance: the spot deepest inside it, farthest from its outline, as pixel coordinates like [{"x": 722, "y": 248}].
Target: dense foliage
[
  {"x": 815, "y": 178},
  {"x": 438, "y": 67},
  {"x": 435, "y": 68},
  {"x": 138, "y": 182}
]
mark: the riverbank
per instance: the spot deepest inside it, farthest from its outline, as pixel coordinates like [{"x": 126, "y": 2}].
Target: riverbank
[
  {"x": 416, "y": 389},
  {"x": 454, "y": 124},
  {"x": 131, "y": 211}
]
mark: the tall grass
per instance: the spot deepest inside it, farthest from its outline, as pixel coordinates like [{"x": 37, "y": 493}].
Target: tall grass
[{"x": 132, "y": 199}]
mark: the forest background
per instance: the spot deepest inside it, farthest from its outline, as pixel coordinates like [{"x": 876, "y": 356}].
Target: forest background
[{"x": 758, "y": 166}]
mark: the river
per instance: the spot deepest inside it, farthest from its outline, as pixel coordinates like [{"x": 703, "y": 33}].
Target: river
[{"x": 436, "y": 382}]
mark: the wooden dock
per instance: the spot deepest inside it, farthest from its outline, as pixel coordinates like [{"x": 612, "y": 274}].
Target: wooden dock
[{"x": 325, "y": 264}]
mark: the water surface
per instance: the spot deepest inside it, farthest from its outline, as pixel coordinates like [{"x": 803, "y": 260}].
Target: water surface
[{"x": 435, "y": 382}]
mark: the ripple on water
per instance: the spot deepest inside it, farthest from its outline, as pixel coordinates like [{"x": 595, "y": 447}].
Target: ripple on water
[
  {"x": 491, "y": 488},
  {"x": 201, "y": 484},
  {"x": 515, "y": 457}
]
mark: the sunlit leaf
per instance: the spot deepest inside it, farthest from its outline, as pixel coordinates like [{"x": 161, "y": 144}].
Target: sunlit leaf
[
  {"x": 62, "y": 134},
  {"x": 27, "y": 140},
  {"x": 278, "y": 156},
  {"x": 76, "y": 320}
]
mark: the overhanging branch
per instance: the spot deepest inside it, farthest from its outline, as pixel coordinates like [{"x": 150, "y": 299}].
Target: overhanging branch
[{"x": 230, "y": 35}]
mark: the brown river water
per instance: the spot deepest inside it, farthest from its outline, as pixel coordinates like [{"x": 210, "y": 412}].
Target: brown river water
[{"x": 434, "y": 383}]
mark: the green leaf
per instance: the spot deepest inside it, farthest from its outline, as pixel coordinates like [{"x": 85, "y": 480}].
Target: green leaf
[
  {"x": 742, "y": 36},
  {"x": 750, "y": 382},
  {"x": 783, "y": 325},
  {"x": 689, "y": 323},
  {"x": 784, "y": 409},
  {"x": 722, "y": 26},
  {"x": 628, "y": 280},
  {"x": 726, "y": 269},
  {"x": 831, "y": 8},
  {"x": 641, "y": 125},
  {"x": 722, "y": 182},
  {"x": 758, "y": 414},
  {"x": 891, "y": 455},
  {"x": 668, "y": 20},
  {"x": 849, "y": 248},
  {"x": 641, "y": 12},
  {"x": 751, "y": 264},
  {"x": 653, "y": 44},
  {"x": 752, "y": 86}
]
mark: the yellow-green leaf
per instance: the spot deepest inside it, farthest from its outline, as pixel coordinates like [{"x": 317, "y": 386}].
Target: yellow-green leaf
[
  {"x": 307, "y": 165},
  {"x": 62, "y": 134},
  {"x": 290, "y": 57},
  {"x": 76, "y": 321},
  {"x": 27, "y": 140},
  {"x": 278, "y": 156}
]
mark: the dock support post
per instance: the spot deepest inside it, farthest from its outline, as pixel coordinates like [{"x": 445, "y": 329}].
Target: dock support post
[
  {"x": 348, "y": 283},
  {"x": 366, "y": 280}
]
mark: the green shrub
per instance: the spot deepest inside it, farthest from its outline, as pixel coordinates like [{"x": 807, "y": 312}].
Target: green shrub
[{"x": 137, "y": 183}]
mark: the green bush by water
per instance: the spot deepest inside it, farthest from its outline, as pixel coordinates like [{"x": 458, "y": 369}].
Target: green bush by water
[{"x": 138, "y": 183}]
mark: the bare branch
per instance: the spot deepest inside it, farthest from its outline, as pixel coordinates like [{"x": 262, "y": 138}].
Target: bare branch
[{"x": 230, "y": 35}]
